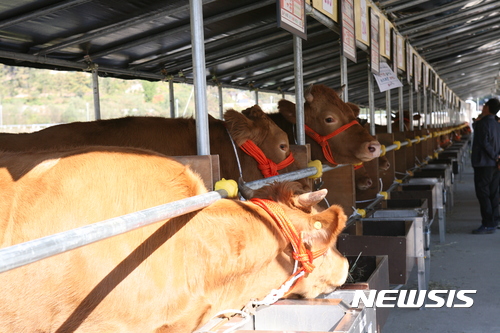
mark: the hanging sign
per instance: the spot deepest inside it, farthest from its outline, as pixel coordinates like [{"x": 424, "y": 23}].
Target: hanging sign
[
  {"x": 387, "y": 79},
  {"x": 394, "y": 54},
  {"x": 347, "y": 27},
  {"x": 292, "y": 17},
  {"x": 425, "y": 75},
  {"x": 400, "y": 46},
  {"x": 362, "y": 26},
  {"x": 417, "y": 67},
  {"x": 409, "y": 61},
  {"x": 386, "y": 38},
  {"x": 327, "y": 7},
  {"x": 374, "y": 42}
]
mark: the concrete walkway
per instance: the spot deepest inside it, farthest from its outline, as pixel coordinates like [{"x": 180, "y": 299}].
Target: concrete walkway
[{"x": 464, "y": 262}]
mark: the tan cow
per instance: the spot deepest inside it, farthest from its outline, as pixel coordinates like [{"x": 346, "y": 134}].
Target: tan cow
[
  {"x": 325, "y": 113},
  {"x": 172, "y": 276},
  {"x": 171, "y": 137}
]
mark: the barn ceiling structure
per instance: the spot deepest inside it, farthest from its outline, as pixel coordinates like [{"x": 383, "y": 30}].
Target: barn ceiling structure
[{"x": 244, "y": 47}]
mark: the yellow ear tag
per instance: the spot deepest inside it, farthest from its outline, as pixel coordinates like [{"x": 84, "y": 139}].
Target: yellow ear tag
[{"x": 318, "y": 225}]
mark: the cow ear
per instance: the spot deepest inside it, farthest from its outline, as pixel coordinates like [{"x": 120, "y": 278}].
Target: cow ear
[
  {"x": 254, "y": 112},
  {"x": 287, "y": 110},
  {"x": 326, "y": 226},
  {"x": 362, "y": 121},
  {"x": 340, "y": 91},
  {"x": 355, "y": 109},
  {"x": 238, "y": 125},
  {"x": 308, "y": 94}
]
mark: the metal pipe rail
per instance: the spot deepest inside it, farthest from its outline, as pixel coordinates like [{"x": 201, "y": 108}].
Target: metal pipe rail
[
  {"x": 398, "y": 144},
  {"x": 37, "y": 249}
]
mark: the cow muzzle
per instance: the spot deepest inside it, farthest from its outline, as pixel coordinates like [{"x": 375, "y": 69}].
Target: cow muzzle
[{"x": 369, "y": 151}]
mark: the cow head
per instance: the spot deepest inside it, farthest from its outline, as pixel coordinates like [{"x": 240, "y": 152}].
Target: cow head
[
  {"x": 325, "y": 113},
  {"x": 362, "y": 179},
  {"x": 255, "y": 125},
  {"x": 319, "y": 230},
  {"x": 406, "y": 119}
]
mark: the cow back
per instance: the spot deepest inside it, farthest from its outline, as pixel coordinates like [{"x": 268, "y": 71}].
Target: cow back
[{"x": 170, "y": 137}]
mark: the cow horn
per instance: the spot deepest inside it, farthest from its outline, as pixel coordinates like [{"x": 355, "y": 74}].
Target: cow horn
[
  {"x": 245, "y": 191},
  {"x": 312, "y": 198}
]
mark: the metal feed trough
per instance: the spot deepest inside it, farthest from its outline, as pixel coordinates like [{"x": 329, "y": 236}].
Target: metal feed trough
[
  {"x": 418, "y": 210},
  {"x": 332, "y": 313},
  {"x": 394, "y": 238},
  {"x": 434, "y": 195},
  {"x": 369, "y": 273},
  {"x": 434, "y": 173},
  {"x": 441, "y": 192}
]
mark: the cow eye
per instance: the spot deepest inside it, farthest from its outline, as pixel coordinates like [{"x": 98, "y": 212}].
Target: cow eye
[
  {"x": 329, "y": 120},
  {"x": 283, "y": 146}
]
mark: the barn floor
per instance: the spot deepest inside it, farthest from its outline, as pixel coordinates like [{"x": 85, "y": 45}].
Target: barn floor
[{"x": 464, "y": 262}]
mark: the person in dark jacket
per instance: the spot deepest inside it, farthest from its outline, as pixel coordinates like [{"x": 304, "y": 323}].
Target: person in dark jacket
[{"x": 484, "y": 157}]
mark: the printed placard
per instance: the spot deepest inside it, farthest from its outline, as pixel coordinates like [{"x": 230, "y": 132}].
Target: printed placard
[
  {"x": 348, "y": 32},
  {"x": 425, "y": 75},
  {"x": 386, "y": 38},
  {"x": 387, "y": 79},
  {"x": 409, "y": 61},
  {"x": 362, "y": 26},
  {"x": 292, "y": 17},
  {"x": 374, "y": 42},
  {"x": 400, "y": 49},
  {"x": 416, "y": 72},
  {"x": 327, "y": 7}
]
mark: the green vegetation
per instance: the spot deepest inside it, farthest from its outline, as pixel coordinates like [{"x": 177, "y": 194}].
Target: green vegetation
[{"x": 37, "y": 96}]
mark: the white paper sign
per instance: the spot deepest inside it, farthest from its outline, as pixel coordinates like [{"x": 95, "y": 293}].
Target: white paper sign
[{"x": 386, "y": 79}]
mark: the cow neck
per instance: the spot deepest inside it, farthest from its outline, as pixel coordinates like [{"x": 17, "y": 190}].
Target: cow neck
[
  {"x": 322, "y": 140},
  {"x": 300, "y": 252},
  {"x": 266, "y": 166}
]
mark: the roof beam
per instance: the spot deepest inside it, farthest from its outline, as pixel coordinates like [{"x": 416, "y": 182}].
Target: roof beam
[
  {"x": 218, "y": 43},
  {"x": 464, "y": 46},
  {"x": 241, "y": 50},
  {"x": 206, "y": 21},
  {"x": 461, "y": 17},
  {"x": 428, "y": 13},
  {"x": 112, "y": 28},
  {"x": 456, "y": 34},
  {"x": 407, "y": 4},
  {"x": 40, "y": 12}
]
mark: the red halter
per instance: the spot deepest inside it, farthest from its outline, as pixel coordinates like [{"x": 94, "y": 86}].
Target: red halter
[
  {"x": 323, "y": 140},
  {"x": 300, "y": 252},
  {"x": 266, "y": 166}
]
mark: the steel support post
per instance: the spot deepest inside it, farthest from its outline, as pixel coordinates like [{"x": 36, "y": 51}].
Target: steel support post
[
  {"x": 171, "y": 95},
  {"x": 344, "y": 81},
  {"x": 199, "y": 77},
  {"x": 95, "y": 90},
  {"x": 388, "y": 108},
  {"x": 221, "y": 102},
  {"x": 299, "y": 90},
  {"x": 401, "y": 111},
  {"x": 371, "y": 102}
]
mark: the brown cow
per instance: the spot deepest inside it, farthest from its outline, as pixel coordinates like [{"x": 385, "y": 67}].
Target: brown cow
[
  {"x": 171, "y": 137},
  {"x": 325, "y": 113},
  {"x": 172, "y": 276}
]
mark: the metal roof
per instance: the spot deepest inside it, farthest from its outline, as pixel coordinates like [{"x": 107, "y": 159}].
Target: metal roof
[{"x": 151, "y": 39}]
